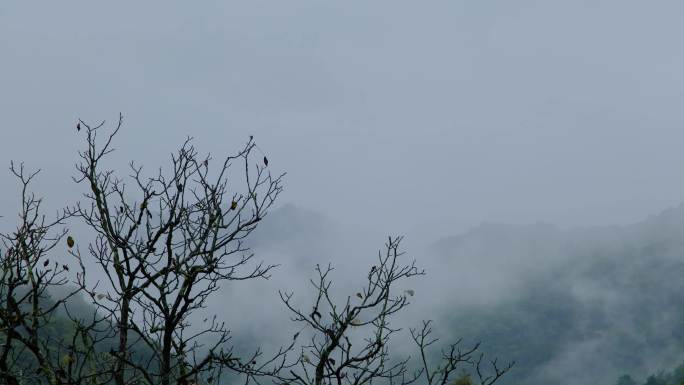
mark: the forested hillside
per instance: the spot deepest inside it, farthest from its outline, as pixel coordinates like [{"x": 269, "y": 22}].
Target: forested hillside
[
  {"x": 587, "y": 305},
  {"x": 572, "y": 306}
]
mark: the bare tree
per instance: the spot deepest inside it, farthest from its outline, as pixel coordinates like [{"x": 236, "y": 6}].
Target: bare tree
[
  {"x": 334, "y": 355},
  {"x": 455, "y": 358},
  {"x": 36, "y": 348},
  {"x": 165, "y": 243}
]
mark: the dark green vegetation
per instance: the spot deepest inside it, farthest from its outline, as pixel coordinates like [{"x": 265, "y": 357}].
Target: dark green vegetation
[
  {"x": 586, "y": 305},
  {"x": 674, "y": 377}
]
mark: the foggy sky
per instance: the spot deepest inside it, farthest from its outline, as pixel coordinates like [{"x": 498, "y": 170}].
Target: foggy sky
[
  {"x": 389, "y": 117},
  {"x": 406, "y": 117}
]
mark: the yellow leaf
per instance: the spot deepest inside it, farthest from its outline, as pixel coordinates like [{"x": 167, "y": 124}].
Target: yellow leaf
[{"x": 67, "y": 359}]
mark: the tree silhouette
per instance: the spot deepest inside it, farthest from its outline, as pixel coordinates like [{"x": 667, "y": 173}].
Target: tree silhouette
[
  {"x": 335, "y": 355},
  {"x": 162, "y": 244},
  {"x": 165, "y": 243}
]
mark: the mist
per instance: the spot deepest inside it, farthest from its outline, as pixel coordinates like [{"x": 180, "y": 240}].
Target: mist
[
  {"x": 570, "y": 306},
  {"x": 528, "y": 151}
]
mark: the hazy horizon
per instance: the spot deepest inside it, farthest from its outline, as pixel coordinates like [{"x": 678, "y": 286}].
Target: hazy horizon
[
  {"x": 410, "y": 118},
  {"x": 433, "y": 120}
]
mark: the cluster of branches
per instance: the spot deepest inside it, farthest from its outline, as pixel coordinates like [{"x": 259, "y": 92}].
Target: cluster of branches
[
  {"x": 164, "y": 248},
  {"x": 33, "y": 293},
  {"x": 349, "y": 339},
  {"x": 162, "y": 245}
]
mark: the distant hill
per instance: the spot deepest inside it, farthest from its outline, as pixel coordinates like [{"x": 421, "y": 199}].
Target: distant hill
[
  {"x": 578, "y": 306},
  {"x": 581, "y": 306}
]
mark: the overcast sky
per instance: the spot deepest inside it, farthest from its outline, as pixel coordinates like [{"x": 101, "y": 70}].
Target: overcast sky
[{"x": 413, "y": 117}]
